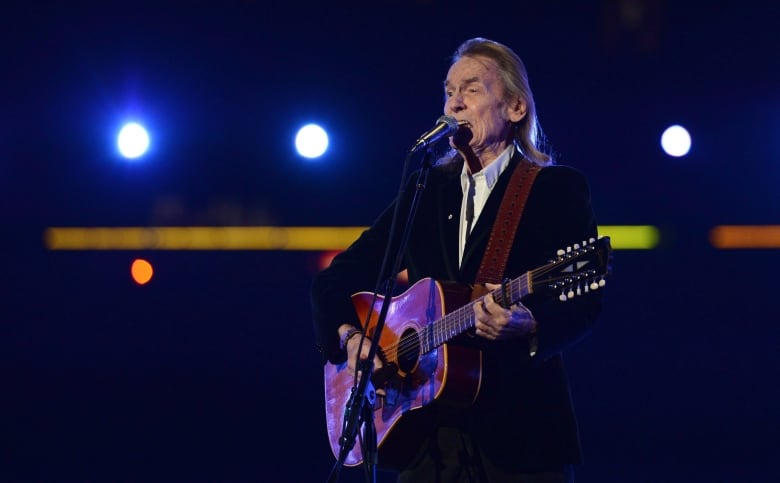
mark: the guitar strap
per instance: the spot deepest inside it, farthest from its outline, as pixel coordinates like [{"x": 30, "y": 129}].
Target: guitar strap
[{"x": 503, "y": 233}]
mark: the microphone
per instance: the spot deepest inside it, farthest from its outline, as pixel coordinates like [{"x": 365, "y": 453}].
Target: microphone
[{"x": 445, "y": 126}]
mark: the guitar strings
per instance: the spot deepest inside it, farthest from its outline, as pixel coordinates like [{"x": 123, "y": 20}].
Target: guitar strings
[
  {"x": 462, "y": 319},
  {"x": 454, "y": 323}
]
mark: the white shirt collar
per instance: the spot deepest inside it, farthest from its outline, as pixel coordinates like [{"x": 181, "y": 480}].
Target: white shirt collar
[{"x": 491, "y": 172}]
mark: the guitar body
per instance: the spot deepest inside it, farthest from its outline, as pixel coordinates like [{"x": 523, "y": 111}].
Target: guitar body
[{"x": 447, "y": 374}]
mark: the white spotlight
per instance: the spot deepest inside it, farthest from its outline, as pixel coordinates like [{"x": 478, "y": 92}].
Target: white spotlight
[
  {"x": 133, "y": 140},
  {"x": 676, "y": 141},
  {"x": 311, "y": 141}
]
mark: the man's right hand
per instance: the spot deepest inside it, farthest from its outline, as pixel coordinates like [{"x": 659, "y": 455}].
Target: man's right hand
[{"x": 357, "y": 344}]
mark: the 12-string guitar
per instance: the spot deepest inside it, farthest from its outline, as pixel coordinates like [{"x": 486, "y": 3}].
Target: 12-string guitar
[{"x": 424, "y": 368}]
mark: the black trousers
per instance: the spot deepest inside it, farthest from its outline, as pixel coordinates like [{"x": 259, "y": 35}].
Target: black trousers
[{"x": 450, "y": 456}]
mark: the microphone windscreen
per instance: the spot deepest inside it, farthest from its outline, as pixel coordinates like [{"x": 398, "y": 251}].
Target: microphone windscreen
[{"x": 451, "y": 122}]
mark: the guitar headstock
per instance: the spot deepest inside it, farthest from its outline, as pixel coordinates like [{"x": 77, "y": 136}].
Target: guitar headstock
[{"x": 576, "y": 269}]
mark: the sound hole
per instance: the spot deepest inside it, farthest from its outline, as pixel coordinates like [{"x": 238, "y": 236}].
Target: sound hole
[{"x": 408, "y": 350}]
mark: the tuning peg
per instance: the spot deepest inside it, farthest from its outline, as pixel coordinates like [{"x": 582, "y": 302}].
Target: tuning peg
[
  {"x": 562, "y": 297},
  {"x": 570, "y": 294},
  {"x": 602, "y": 282},
  {"x": 594, "y": 285},
  {"x": 576, "y": 246}
]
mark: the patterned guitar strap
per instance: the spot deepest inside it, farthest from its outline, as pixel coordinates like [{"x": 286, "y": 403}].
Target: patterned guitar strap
[{"x": 500, "y": 241}]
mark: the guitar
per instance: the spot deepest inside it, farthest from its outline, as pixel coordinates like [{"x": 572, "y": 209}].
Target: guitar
[{"x": 423, "y": 367}]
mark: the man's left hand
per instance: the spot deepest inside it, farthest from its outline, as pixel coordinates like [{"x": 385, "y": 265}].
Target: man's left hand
[{"x": 495, "y": 322}]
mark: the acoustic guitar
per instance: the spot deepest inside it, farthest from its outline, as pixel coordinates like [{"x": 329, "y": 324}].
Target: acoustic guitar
[{"x": 420, "y": 367}]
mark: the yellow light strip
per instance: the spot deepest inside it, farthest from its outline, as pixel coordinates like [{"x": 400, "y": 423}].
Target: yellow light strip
[
  {"x": 202, "y": 238},
  {"x": 745, "y": 236},
  {"x": 631, "y": 237},
  {"x": 263, "y": 238}
]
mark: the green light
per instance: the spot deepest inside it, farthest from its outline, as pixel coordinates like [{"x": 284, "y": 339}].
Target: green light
[{"x": 631, "y": 237}]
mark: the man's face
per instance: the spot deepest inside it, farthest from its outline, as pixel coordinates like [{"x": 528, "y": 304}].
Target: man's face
[{"x": 475, "y": 97}]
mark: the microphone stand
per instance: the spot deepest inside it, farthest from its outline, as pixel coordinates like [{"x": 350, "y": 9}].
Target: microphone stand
[{"x": 360, "y": 407}]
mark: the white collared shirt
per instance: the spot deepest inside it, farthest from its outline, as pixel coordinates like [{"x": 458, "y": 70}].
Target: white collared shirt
[{"x": 476, "y": 189}]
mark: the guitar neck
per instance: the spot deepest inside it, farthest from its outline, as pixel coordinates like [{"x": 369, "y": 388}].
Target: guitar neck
[
  {"x": 576, "y": 270},
  {"x": 459, "y": 321}
]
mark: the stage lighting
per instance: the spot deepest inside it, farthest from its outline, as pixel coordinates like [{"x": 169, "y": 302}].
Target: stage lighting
[
  {"x": 133, "y": 140},
  {"x": 311, "y": 141},
  {"x": 141, "y": 271},
  {"x": 676, "y": 141}
]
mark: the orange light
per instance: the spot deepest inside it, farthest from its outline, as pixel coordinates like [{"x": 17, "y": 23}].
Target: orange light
[
  {"x": 141, "y": 270},
  {"x": 326, "y": 258},
  {"x": 745, "y": 236},
  {"x": 403, "y": 277}
]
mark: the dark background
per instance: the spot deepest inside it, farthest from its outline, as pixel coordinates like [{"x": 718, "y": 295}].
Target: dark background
[{"x": 209, "y": 373}]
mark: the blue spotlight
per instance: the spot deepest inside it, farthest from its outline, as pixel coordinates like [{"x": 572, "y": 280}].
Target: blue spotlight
[
  {"x": 133, "y": 140},
  {"x": 676, "y": 141},
  {"x": 311, "y": 141}
]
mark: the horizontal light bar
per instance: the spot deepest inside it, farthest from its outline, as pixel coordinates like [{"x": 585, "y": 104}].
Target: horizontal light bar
[
  {"x": 262, "y": 237},
  {"x": 202, "y": 238},
  {"x": 745, "y": 236},
  {"x": 631, "y": 237}
]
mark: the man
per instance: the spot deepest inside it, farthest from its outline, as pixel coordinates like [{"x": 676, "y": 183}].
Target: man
[{"x": 521, "y": 426}]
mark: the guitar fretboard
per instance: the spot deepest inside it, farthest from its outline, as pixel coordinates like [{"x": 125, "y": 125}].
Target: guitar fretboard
[{"x": 462, "y": 319}]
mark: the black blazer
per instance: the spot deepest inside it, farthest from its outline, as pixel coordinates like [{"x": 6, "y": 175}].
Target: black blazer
[{"x": 523, "y": 414}]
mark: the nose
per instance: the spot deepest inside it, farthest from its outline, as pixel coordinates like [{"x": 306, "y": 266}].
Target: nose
[{"x": 454, "y": 104}]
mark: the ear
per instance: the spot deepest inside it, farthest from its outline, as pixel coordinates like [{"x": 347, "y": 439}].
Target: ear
[{"x": 516, "y": 109}]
